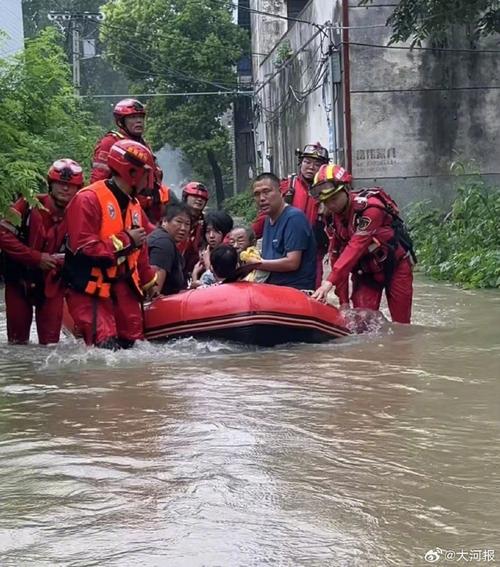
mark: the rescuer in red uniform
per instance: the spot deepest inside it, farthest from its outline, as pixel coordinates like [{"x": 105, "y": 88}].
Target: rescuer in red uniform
[
  {"x": 195, "y": 195},
  {"x": 33, "y": 257},
  {"x": 295, "y": 190},
  {"x": 106, "y": 266},
  {"x": 367, "y": 240},
  {"x": 130, "y": 116},
  {"x": 155, "y": 200}
]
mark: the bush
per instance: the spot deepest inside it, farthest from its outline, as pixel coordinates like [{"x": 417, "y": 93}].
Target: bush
[
  {"x": 241, "y": 205},
  {"x": 462, "y": 246},
  {"x": 41, "y": 119}
]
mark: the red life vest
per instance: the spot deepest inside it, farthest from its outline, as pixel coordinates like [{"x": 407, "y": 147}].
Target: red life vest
[
  {"x": 296, "y": 193},
  {"x": 154, "y": 201}
]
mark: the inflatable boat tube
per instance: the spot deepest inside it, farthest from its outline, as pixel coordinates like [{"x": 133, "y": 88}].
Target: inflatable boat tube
[{"x": 256, "y": 314}]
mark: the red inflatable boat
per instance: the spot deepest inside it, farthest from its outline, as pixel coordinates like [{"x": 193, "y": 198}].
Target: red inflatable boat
[{"x": 257, "y": 314}]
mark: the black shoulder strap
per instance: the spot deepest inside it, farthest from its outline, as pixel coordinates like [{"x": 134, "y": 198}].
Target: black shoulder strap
[
  {"x": 290, "y": 192},
  {"x": 23, "y": 228}
]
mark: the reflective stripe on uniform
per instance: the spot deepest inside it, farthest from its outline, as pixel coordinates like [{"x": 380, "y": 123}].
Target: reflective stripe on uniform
[{"x": 99, "y": 165}]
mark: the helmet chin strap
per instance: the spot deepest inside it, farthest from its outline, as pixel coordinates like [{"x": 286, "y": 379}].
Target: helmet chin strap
[
  {"x": 346, "y": 206},
  {"x": 57, "y": 202},
  {"x": 121, "y": 124}
]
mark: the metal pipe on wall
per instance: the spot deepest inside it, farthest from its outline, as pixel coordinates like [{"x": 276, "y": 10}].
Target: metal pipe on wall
[{"x": 346, "y": 85}]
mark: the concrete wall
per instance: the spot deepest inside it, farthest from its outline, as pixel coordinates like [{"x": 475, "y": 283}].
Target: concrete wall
[
  {"x": 11, "y": 23},
  {"x": 412, "y": 113},
  {"x": 266, "y": 30}
]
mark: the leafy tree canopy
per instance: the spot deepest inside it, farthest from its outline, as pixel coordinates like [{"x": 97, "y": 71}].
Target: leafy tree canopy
[
  {"x": 430, "y": 19},
  {"x": 41, "y": 119},
  {"x": 97, "y": 74},
  {"x": 168, "y": 46}
]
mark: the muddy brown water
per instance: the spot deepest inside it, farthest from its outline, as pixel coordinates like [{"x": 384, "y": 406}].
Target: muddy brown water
[{"x": 370, "y": 451}]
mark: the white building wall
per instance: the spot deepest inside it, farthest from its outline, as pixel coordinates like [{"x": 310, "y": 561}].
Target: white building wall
[
  {"x": 266, "y": 29},
  {"x": 411, "y": 113},
  {"x": 11, "y": 24},
  {"x": 285, "y": 118}
]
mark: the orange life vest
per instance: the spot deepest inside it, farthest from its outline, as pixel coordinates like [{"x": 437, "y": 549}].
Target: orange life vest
[
  {"x": 164, "y": 194},
  {"x": 100, "y": 280}
]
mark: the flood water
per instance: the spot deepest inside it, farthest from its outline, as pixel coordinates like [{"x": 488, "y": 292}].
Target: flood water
[{"x": 371, "y": 451}]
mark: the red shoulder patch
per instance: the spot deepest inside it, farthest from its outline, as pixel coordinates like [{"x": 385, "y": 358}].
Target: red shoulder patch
[{"x": 363, "y": 223}]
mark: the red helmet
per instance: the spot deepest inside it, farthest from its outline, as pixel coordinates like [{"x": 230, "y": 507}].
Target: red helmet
[
  {"x": 126, "y": 158},
  {"x": 315, "y": 151},
  {"x": 66, "y": 171},
  {"x": 127, "y": 107},
  {"x": 333, "y": 174},
  {"x": 195, "y": 189}
]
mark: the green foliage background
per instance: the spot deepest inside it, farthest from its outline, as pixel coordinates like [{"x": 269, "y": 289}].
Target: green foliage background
[
  {"x": 96, "y": 73},
  {"x": 462, "y": 246},
  {"x": 41, "y": 119},
  {"x": 169, "y": 46},
  {"x": 417, "y": 20},
  {"x": 242, "y": 205}
]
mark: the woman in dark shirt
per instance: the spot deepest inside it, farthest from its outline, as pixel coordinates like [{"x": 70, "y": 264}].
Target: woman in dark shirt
[{"x": 163, "y": 253}]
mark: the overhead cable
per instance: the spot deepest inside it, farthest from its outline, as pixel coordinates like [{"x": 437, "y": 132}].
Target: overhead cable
[
  {"x": 407, "y": 48},
  {"x": 168, "y": 70},
  {"x": 144, "y": 95},
  {"x": 288, "y": 61}
]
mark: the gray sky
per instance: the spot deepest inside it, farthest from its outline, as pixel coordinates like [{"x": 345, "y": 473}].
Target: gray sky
[{"x": 11, "y": 22}]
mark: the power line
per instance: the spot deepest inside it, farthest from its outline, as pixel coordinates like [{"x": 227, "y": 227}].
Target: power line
[
  {"x": 289, "y": 60},
  {"x": 430, "y": 89},
  {"x": 419, "y": 18},
  {"x": 405, "y": 48},
  {"x": 168, "y": 70},
  {"x": 270, "y": 14},
  {"x": 299, "y": 96},
  {"x": 145, "y": 95},
  {"x": 228, "y": 86},
  {"x": 75, "y": 19}
]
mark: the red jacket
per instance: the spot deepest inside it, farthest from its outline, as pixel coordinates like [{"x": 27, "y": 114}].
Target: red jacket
[
  {"x": 41, "y": 230},
  {"x": 190, "y": 249},
  {"x": 154, "y": 202},
  {"x": 361, "y": 241},
  {"x": 301, "y": 199},
  {"x": 85, "y": 214},
  {"x": 100, "y": 169}
]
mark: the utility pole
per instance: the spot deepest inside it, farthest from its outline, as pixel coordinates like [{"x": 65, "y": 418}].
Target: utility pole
[
  {"x": 336, "y": 119},
  {"x": 75, "y": 42},
  {"x": 75, "y": 20}
]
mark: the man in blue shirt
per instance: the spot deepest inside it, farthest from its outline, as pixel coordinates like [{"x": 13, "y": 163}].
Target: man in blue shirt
[{"x": 288, "y": 244}]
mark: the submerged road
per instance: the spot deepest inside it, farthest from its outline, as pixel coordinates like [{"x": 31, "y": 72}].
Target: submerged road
[{"x": 371, "y": 451}]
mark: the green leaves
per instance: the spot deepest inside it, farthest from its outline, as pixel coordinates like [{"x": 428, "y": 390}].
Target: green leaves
[
  {"x": 182, "y": 46},
  {"x": 41, "y": 119},
  {"x": 417, "y": 20},
  {"x": 242, "y": 205},
  {"x": 464, "y": 245}
]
